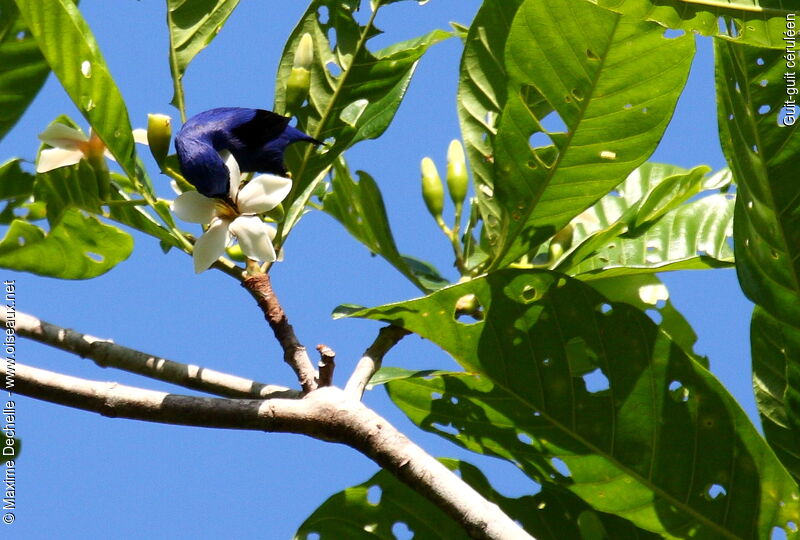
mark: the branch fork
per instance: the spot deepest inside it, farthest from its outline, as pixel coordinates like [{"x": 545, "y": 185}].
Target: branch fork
[{"x": 324, "y": 412}]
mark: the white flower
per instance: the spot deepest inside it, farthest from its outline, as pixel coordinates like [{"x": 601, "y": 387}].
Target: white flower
[
  {"x": 69, "y": 146},
  {"x": 240, "y": 219}
]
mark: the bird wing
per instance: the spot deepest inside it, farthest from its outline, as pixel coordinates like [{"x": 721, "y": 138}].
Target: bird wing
[{"x": 265, "y": 126}]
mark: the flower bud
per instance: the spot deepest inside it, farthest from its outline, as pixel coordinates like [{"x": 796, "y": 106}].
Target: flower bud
[
  {"x": 457, "y": 181},
  {"x": 432, "y": 189},
  {"x": 159, "y": 134},
  {"x": 299, "y": 80},
  {"x": 304, "y": 54}
]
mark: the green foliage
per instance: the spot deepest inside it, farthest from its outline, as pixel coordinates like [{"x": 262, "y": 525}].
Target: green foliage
[
  {"x": 481, "y": 98},
  {"x": 776, "y": 348},
  {"x": 354, "y": 92},
  {"x": 653, "y": 223},
  {"x": 79, "y": 247},
  {"x": 752, "y": 22},
  {"x": 596, "y": 385},
  {"x": 765, "y": 159},
  {"x": 374, "y": 508},
  {"x": 192, "y": 25},
  {"x": 382, "y": 507},
  {"x": 614, "y": 100},
  {"x": 22, "y": 68}
]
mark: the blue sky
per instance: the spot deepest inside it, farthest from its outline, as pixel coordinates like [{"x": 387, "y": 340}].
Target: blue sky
[{"x": 82, "y": 475}]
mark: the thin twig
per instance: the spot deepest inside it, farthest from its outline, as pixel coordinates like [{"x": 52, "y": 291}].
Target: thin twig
[
  {"x": 370, "y": 362},
  {"x": 294, "y": 353},
  {"x": 326, "y": 365},
  {"x": 106, "y": 353},
  {"x": 327, "y": 414}
]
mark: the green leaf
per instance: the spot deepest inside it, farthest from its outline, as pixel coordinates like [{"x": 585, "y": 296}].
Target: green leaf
[
  {"x": 66, "y": 187},
  {"x": 14, "y": 182},
  {"x": 16, "y": 188},
  {"x": 378, "y": 507},
  {"x": 192, "y": 25},
  {"x": 481, "y": 97},
  {"x": 775, "y": 348},
  {"x": 646, "y": 432},
  {"x": 649, "y": 294},
  {"x": 139, "y": 217},
  {"x": 22, "y": 68},
  {"x": 762, "y": 146},
  {"x": 353, "y": 95},
  {"x": 613, "y": 83},
  {"x": 79, "y": 247},
  {"x": 669, "y": 193},
  {"x": 693, "y": 236},
  {"x": 645, "y": 225},
  {"x": 69, "y": 47},
  {"x": 765, "y": 158},
  {"x": 355, "y": 513},
  {"x": 359, "y": 207},
  {"x": 755, "y": 22}
]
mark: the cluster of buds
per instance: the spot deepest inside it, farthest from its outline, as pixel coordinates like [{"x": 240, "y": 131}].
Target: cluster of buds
[
  {"x": 457, "y": 186},
  {"x": 457, "y": 182}
]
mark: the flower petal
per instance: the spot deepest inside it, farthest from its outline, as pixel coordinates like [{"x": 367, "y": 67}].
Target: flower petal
[
  {"x": 140, "y": 136},
  {"x": 194, "y": 207},
  {"x": 53, "y": 158},
  {"x": 211, "y": 245},
  {"x": 233, "y": 171},
  {"x": 263, "y": 193},
  {"x": 62, "y": 136},
  {"x": 273, "y": 232},
  {"x": 254, "y": 238}
]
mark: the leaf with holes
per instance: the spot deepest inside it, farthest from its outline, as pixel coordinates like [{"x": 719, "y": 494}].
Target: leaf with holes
[
  {"x": 761, "y": 142},
  {"x": 754, "y": 22},
  {"x": 22, "y": 68},
  {"x": 693, "y": 236},
  {"x": 359, "y": 207},
  {"x": 649, "y": 294},
  {"x": 68, "y": 46},
  {"x": 775, "y": 347},
  {"x": 646, "y": 432},
  {"x": 764, "y": 157},
  {"x": 613, "y": 83},
  {"x": 16, "y": 188},
  {"x": 353, "y": 95},
  {"x": 481, "y": 96},
  {"x": 192, "y": 26},
  {"x": 381, "y": 507},
  {"x": 79, "y": 247},
  {"x": 646, "y": 225}
]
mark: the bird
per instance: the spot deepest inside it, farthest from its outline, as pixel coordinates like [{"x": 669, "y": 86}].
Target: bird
[{"x": 257, "y": 138}]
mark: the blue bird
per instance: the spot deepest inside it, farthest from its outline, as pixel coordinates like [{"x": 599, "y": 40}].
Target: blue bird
[{"x": 256, "y": 138}]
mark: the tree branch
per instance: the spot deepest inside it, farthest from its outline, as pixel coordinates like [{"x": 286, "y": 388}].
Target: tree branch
[
  {"x": 326, "y": 365},
  {"x": 106, "y": 353},
  {"x": 294, "y": 354},
  {"x": 370, "y": 362},
  {"x": 327, "y": 414}
]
